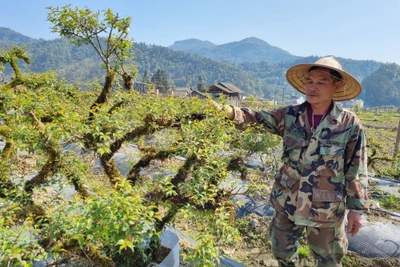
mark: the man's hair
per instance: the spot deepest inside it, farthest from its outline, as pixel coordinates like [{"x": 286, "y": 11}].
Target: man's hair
[{"x": 335, "y": 74}]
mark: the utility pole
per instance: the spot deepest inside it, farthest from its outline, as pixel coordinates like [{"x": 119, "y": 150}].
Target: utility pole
[{"x": 396, "y": 146}]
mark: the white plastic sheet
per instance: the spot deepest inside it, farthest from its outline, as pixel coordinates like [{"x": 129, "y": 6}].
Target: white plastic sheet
[{"x": 170, "y": 240}]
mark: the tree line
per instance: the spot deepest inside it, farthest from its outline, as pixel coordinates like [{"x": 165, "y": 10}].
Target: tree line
[{"x": 262, "y": 79}]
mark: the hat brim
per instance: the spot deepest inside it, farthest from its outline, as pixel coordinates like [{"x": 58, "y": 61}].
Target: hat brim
[{"x": 297, "y": 77}]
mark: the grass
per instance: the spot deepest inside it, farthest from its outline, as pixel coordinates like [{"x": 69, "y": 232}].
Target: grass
[{"x": 390, "y": 202}]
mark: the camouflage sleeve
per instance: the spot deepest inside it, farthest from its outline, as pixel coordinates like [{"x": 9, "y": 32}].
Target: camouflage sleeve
[
  {"x": 273, "y": 121},
  {"x": 356, "y": 173}
]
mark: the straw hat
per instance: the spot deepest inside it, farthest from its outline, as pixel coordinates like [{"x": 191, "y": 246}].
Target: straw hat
[{"x": 350, "y": 88}]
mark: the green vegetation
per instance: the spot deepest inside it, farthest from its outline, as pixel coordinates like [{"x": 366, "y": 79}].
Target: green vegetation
[
  {"x": 111, "y": 218},
  {"x": 161, "y": 80},
  {"x": 250, "y": 236},
  {"x": 382, "y": 86},
  {"x": 81, "y": 65},
  {"x": 381, "y": 128},
  {"x": 236, "y": 52},
  {"x": 261, "y": 79},
  {"x": 390, "y": 202}
]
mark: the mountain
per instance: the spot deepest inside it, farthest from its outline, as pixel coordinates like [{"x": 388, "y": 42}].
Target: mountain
[
  {"x": 81, "y": 64},
  {"x": 191, "y": 45},
  {"x": 387, "y": 79},
  {"x": 275, "y": 73},
  {"x": 185, "y": 69},
  {"x": 247, "y": 50},
  {"x": 7, "y": 34}
]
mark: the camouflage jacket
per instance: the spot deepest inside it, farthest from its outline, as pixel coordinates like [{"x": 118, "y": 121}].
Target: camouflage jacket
[{"x": 322, "y": 173}]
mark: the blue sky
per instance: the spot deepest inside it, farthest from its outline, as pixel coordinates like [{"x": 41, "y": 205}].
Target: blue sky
[{"x": 356, "y": 29}]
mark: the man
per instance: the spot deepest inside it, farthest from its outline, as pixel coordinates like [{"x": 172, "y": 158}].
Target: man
[{"x": 324, "y": 163}]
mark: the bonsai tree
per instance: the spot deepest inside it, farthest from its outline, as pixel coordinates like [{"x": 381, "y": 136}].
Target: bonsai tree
[{"x": 113, "y": 219}]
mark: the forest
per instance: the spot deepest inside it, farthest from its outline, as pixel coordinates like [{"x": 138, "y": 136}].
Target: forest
[{"x": 261, "y": 79}]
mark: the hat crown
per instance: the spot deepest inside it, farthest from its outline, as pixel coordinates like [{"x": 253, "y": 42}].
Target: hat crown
[
  {"x": 329, "y": 62},
  {"x": 349, "y": 88}
]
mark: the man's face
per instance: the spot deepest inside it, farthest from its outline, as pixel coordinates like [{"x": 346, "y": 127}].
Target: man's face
[{"x": 320, "y": 87}]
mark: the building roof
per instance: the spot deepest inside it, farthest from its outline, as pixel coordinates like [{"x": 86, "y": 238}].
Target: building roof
[
  {"x": 227, "y": 87},
  {"x": 178, "y": 91},
  {"x": 200, "y": 94},
  {"x": 231, "y": 87}
]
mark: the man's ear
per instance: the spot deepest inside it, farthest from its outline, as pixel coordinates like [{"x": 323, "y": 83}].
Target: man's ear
[{"x": 338, "y": 84}]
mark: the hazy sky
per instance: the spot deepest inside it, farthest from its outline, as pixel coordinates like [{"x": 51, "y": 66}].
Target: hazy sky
[{"x": 356, "y": 29}]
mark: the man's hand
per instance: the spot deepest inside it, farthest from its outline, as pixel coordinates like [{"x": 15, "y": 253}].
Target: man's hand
[
  {"x": 215, "y": 104},
  {"x": 226, "y": 108},
  {"x": 353, "y": 223}
]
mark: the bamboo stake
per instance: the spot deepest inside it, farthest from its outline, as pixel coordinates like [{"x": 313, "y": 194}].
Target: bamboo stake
[{"x": 396, "y": 147}]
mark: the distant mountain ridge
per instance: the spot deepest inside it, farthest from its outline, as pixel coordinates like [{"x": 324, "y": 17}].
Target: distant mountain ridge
[
  {"x": 191, "y": 45},
  {"x": 261, "y": 79},
  {"x": 251, "y": 49},
  {"x": 81, "y": 64},
  {"x": 7, "y": 34}
]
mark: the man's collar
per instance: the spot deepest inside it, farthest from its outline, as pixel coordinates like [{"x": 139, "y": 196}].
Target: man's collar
[
  {"x": 302, "y": 108},
  {"x": 335, "y": 113}
]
